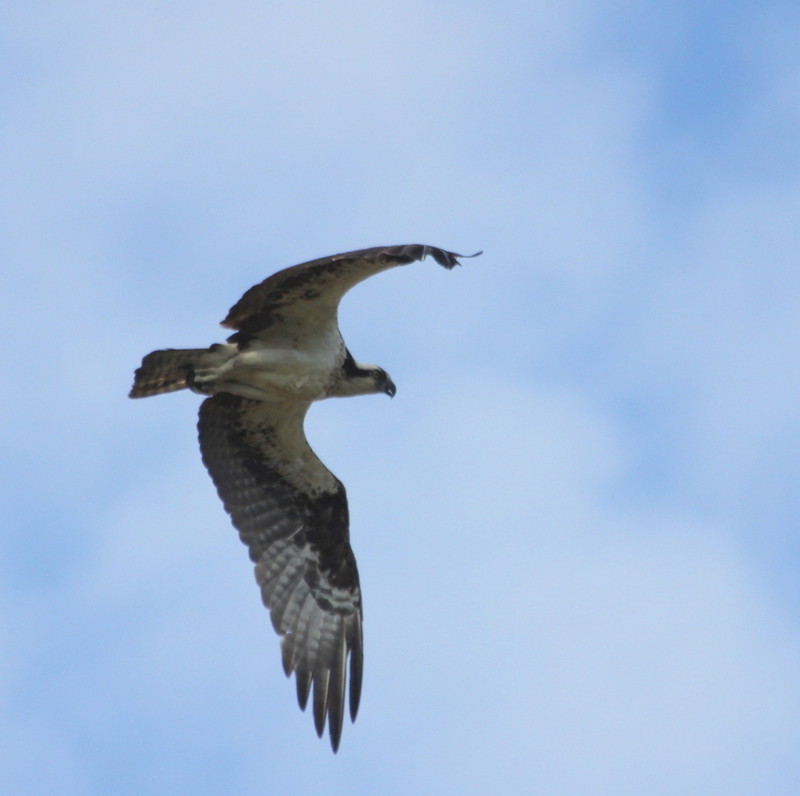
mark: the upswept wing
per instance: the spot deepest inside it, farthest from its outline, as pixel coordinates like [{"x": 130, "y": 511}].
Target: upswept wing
[
  {"x": 291, "y": 512},
  {"x": 286, "y": 295}
]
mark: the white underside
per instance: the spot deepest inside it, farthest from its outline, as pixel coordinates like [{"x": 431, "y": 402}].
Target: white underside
[{"x": 273, "y": 370}]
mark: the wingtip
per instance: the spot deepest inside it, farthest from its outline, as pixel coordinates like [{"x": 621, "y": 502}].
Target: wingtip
[
  {"x": 303, "y": 684},
  {"x": 447, "y": 258},
  {"x": 320, "y": 701},
  {"x": 467, "y": 256},
  {"x": 356, "y": 675}
]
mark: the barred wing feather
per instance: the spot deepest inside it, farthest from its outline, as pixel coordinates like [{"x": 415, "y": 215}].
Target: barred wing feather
[{"x": 291, "y": 512}]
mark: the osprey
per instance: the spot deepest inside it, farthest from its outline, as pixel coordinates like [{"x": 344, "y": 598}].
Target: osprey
[{"x": 289, "y": 509}]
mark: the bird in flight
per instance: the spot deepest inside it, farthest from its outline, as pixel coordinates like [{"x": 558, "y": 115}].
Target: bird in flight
[{"x": 290, "y": 510}]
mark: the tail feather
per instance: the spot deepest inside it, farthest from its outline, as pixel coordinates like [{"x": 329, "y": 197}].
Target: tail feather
[{"x": 165, "y": 371}]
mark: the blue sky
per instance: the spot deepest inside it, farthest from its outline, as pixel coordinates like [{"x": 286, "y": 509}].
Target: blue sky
[{"x": 577, "y": 522}]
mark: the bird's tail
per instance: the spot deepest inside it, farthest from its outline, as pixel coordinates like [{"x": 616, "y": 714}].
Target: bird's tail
[{"x": 165, "y": 371}]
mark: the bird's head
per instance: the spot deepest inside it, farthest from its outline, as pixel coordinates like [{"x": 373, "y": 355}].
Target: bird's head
[
  {"x": 383, "y": 383},
  {"x": 365, "y": 380}
]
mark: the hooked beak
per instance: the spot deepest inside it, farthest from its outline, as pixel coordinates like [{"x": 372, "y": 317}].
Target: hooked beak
[{"x": 389, "y": 387}]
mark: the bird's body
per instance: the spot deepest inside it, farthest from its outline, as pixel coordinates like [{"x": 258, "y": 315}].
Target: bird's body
[
  {"x": 276, "y": 369},
  {"x": 290, "y": 510}
]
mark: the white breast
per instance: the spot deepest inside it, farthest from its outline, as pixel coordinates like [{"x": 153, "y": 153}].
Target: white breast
[{"x": 279, "y": 367}]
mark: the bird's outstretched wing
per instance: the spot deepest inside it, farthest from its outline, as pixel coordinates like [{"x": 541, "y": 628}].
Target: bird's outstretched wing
[
  {"x": 310, "y": 292},
  {"x": 291, "y": 512}
]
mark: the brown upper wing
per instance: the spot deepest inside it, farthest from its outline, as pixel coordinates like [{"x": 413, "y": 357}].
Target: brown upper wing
[
  {"x": 322, "y": 282},
  {"x": 292, "y": 514}
]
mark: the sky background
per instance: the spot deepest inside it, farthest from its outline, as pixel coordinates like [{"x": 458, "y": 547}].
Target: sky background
[{"x": 577, "y": 524}]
